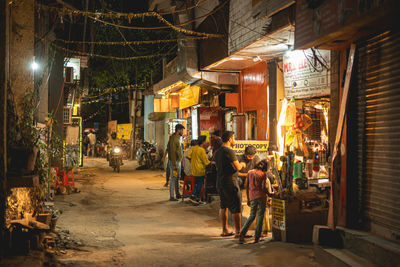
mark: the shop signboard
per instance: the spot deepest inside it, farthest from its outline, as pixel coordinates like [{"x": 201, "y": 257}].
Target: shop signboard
[
  {"x": 240, "y": 145},
  {"x": 206, "y": 134},
  {"x": 306, "y": 73},
  {"x": 124, "y": 131},
  {"x": 189, "y": 96},
  {"x": 278, "y": 214}
]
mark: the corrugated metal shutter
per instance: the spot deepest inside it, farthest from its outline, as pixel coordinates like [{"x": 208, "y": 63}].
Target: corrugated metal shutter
[{"x": 378, "y": 144}]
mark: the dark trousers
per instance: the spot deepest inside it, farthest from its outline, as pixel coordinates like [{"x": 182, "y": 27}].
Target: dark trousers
[{"x": 257, "y": 208}]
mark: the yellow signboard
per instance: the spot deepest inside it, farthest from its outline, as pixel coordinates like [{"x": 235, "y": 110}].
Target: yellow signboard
[
  {"x": 207, "y": 134},
  {"x": 124, "y": 131},
  {"x": 240, "y": 145},
  {"x": 278, "y": 214},
  {"x": 189, "y": 96}
]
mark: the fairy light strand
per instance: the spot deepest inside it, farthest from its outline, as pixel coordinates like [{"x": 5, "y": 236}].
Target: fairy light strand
[
  {"x": 129, "y": 16},
  {"x": 108, "y": 57}
]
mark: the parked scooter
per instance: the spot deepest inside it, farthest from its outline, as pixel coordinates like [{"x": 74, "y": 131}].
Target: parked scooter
[
  {"x": 146, "y": 155},
  {"x": 115, "y": 158}
]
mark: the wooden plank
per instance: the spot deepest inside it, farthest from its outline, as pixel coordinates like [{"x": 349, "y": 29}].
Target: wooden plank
[{"x": 339, "y": 131}]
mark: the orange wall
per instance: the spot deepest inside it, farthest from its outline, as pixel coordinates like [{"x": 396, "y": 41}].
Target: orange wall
[{"x": 254, "y": 96}]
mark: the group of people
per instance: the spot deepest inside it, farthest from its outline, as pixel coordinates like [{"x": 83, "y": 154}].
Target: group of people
[{"x": 233, "y": 173}]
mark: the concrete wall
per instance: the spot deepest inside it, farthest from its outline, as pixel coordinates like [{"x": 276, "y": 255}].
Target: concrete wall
[
  {"x": 243, "y": 27},
  {"x": 21, "y": 49}
]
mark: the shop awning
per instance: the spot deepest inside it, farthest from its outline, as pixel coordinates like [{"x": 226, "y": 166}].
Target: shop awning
[{"x": 265, "y": 48}]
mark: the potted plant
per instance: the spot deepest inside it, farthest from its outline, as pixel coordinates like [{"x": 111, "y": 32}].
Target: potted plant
[{"x": 23, "y": 135}]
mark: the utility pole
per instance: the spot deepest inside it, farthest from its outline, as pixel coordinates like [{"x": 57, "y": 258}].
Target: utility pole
[
  {"x": 4, "y": 78},
  {"x": 109, "y": 107},
  {"x": 133, "y": 146},
  {"x": 84, "y": 26}
]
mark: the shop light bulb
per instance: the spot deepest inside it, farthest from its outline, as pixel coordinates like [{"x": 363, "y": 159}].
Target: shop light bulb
[{"x": 34, "y": 65}]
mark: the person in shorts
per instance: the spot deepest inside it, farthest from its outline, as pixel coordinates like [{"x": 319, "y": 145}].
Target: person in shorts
[{"x": 227, "y": 183}]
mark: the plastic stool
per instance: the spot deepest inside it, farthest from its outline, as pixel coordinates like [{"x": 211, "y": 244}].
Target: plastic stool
[
  {"x": 65, "y": 178},
  {"x": 189, "y": 183}
]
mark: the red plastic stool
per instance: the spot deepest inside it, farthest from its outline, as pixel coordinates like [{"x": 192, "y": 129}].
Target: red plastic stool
[
  {"x": 189, "y": 183},
  {"x": 65, "y": 178}
]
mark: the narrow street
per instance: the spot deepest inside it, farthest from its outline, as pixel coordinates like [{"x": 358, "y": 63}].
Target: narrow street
[{"x": 125, "y": 219}]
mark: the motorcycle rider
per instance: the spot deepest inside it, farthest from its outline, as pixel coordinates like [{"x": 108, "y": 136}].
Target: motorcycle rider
[{"x": 112, "y": 142}]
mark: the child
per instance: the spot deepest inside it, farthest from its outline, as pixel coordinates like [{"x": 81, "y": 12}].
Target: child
[
  {"x": 198, "y": 163},
  {"x": 257, "y": 189}
]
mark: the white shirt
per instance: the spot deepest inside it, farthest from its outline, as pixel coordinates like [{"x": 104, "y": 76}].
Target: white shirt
[
  {"x": 92, "y": 139},
  {"x": 186, "y": 163}
]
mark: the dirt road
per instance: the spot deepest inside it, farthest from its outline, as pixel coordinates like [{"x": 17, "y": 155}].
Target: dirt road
[{"x": 125, "y": 219}]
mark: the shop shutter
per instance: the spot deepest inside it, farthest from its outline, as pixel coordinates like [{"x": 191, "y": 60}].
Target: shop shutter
[{"x": 378, "y": 134}]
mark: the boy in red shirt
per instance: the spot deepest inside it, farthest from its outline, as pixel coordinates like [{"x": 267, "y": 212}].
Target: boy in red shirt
[{"x": 257, "y": 188}]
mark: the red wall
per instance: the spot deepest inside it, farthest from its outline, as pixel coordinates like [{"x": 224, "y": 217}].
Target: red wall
[
  {"x": 210, "y": 119},
  {"x": 254, "y": 95}
]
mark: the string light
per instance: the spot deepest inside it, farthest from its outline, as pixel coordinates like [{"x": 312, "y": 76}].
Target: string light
[
  {"x": 129, "y": 16},
  {"x": 136, "y": 42},
  {"x": 109, "y": 57}
]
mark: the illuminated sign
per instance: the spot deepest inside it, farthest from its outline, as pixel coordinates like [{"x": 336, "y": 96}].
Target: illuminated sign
[
  {"x": 306, "y": 73},
  {"x": 74, "y": 63},
  {"x": 240, "y": 146}
]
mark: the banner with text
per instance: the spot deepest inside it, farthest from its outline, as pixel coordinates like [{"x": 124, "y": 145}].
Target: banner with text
[
  {"x": 124, "y": 131},
  {"x": 306, "y": 73},
  {"x": 240, "y": 145}
]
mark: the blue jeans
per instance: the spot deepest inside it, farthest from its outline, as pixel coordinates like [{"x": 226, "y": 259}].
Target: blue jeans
[
  {"x": 174, "y": 180},
  {"x": 257, "y": 207},
  {"x": 199, "y": 186}
]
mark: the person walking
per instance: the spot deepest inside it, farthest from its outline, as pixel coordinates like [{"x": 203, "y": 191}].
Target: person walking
[
  {"x": 198, "y": 164},
  {"x": 175, "y": 156},
  {"x": 92, "y": 143},
  {"x": 257, "y": 188},
  {"x": 227, "y": 183}
]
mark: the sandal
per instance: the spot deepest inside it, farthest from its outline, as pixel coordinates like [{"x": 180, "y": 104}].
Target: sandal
[
  {"x": 228, "y": 234},
  {"x": 245, "y": 236},
  {"x": 257, "y": 240}
]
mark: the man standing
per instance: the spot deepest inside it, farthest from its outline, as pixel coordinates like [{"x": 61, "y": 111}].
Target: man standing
[
  {"x": 227, "y": 183},
  {"x": 251, "y": 159},
  {"x": 175, "y": 156},
  {"x": 92, "y": 142}
]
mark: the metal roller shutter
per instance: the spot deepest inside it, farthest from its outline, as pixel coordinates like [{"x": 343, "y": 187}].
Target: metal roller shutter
[{"x": 378, "y": 132}]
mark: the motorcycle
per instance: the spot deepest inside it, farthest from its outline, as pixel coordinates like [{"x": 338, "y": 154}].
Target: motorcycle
[
  {"x": 146, "y": 155},
  {"x": 115, "y": 158}
]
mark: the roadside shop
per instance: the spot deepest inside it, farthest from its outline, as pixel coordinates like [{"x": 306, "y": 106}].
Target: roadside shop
[{"x": 301, "y": 162}]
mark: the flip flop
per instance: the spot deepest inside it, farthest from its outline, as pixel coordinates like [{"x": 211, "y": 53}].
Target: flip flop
[{"x": 228, "y": 234}]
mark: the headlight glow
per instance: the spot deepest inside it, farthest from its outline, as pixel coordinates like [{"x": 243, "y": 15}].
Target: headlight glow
[{"x": 117, "y": 150}]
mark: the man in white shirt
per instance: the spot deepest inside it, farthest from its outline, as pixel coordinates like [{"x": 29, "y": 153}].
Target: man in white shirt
[{"x": 92, "y": 143}]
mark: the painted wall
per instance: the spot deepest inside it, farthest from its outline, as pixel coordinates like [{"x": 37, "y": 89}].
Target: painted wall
[
  {"x": 254, "y": 95},
  {"x": 148, "y": 108}
]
